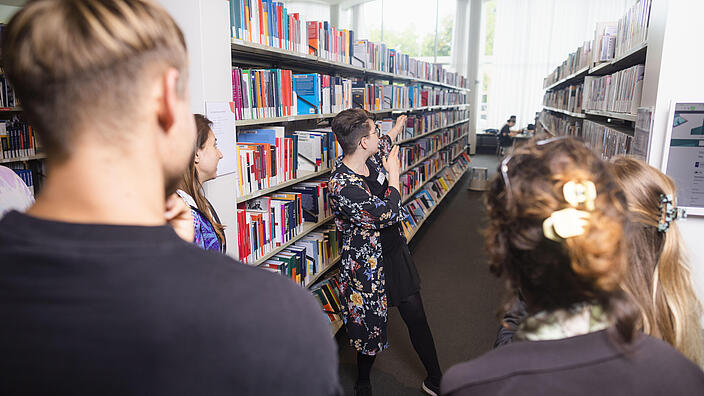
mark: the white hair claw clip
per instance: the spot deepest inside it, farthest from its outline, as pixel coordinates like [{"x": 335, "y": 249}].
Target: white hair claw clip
[{"x": 571, "y": 222}]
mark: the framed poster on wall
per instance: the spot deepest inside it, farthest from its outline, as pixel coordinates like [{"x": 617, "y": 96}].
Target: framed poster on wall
[{"x": 683, "y": 156}]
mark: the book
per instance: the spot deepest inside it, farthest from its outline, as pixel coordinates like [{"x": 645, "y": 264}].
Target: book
[
  {"x": 619, "y": 92},
  {"x": 307, "y": 89},
  {"x": 270, "y": 23}
]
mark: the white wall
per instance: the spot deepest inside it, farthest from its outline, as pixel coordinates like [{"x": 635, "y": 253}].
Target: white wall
[{"x": 674, "y": 69}]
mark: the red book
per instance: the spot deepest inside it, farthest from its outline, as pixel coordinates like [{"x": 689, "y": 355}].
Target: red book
[
  {"x": 279, "y": 23},
  {"x": 262, "y": 39},
  {"x": 313, "y": 42}
]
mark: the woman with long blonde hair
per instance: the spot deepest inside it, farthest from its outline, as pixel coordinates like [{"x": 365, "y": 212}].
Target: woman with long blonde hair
[{"x": 659, "y": 276}]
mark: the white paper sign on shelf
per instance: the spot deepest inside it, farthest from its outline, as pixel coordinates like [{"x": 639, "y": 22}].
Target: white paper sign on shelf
[
  {"x": 222, "y": 114},
  {"x": 642, "y": 133}
]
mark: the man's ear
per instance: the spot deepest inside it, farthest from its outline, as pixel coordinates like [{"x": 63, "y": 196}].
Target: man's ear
[{"x": 167, "y": 102}]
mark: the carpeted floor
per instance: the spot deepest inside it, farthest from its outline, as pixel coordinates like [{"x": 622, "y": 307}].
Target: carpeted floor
[{"x": 461, "y": 297}]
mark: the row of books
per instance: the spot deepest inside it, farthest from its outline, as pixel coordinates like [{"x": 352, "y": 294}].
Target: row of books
[
  {"x": 611, "y": 40},
  {"x": 379, "y": 96},
  {"x": 559, "y": 124},
  {"x": 420, "y": 174},
  {"x": 417, "y": 125},
  {"x": 268, "y": 93},
  {"x": 606, "y": 141},
  {"x": 575, "y": 61},
  {"x": 271, "y": 156},
  {"x": 619, "y": 92},
  {"x": 307, "y": 257},
  {"x": 424, "y": 201},
  {"x": 7, "y": 93},
  {"x": 17, "y": 139},
  {"x": 327, "y": 292},
  {"x": 411, "y": 153},
  {"x": 270, "y": 23},
  {"x": 632, "y": 29},
  {"x": 268, "y": 222},
  {"x": 568, "y": 98}
]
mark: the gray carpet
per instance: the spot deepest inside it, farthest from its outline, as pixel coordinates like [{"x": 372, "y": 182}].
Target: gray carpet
[{"x": 461, "y": 297}]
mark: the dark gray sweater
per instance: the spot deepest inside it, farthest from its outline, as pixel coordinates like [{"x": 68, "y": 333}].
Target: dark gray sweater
[{"x": 590, "y": 364}]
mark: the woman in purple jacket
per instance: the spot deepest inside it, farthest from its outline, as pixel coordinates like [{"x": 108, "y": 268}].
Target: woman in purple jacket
[{"x": 209, "y": 232}]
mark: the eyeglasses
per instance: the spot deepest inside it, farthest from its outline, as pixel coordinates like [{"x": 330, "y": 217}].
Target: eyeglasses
[
  {"x": 377, "y": 132},
  {"x": 504, "y": 163}
]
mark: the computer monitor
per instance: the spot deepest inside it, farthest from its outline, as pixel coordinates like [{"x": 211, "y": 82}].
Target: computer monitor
[{"x": 683, "y": 158}]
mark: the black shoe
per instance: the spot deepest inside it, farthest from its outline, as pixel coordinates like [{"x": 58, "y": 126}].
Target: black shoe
[
  {"x": 428, "y": 387},
  {"x": 363, "y": 390}
]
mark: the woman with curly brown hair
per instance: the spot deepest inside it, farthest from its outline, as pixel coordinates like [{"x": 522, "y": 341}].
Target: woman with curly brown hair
[
  {"x": 557, "y": 221},
  {"x": 658, "y": 277}
]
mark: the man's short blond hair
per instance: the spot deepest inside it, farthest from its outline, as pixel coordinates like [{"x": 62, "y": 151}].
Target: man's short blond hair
[{"x": 74, "y": 63}]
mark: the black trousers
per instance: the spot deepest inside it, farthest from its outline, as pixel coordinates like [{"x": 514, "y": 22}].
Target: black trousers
[{"x": 413, "y": 315}]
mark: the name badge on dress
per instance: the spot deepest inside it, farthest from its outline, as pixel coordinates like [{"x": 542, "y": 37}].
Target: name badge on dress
[{"x": 381, "y": 178}]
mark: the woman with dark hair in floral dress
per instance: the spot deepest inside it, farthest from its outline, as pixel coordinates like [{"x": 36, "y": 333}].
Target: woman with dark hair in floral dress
[{"x": 377, "y": 269}]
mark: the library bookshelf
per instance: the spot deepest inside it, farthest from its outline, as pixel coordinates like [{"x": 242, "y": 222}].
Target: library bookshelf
[
  {"x": 214, "y": 54},
  {"x": 556, "y": 121},
  {"x": 249, "y": 52}
]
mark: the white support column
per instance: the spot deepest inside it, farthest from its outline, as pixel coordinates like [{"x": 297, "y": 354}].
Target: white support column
[
  {"x": 206, "y": 26},
  {"x": 460, "y": 38},
  {"x": 475, "y": 20}
]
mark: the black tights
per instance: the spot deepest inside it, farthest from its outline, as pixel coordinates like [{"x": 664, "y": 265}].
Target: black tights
[{"x": 413, "y": 315}]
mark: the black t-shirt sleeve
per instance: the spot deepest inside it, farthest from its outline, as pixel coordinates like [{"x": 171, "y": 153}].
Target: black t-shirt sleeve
[{"x": 505, "y": 131}]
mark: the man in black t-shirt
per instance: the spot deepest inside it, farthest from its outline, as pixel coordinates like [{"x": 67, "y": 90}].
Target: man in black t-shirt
[{"x": 98, "y": 295}]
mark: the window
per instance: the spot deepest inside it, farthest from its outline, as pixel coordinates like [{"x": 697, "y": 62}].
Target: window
[{"x": 410, "y": 26}]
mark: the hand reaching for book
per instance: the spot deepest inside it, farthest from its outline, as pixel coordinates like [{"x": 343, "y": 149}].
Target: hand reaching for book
[
  {"x": 178, "y": 215},
  {"x": 398, "y": 127},
  {"x": 392, "y": 164}
]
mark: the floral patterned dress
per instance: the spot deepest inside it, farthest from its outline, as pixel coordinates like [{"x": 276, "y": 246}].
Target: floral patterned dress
[{"x": 360, "y": 215}]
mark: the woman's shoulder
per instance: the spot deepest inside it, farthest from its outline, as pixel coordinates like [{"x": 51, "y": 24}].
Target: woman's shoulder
[
  {"x": 341, "y": 177},
  {"x": 186, "y": 197}
]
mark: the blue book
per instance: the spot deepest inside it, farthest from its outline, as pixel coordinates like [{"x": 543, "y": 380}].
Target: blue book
[
  {"x": 285, "y": 26},
  {"x": 307, "y": 88}
]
